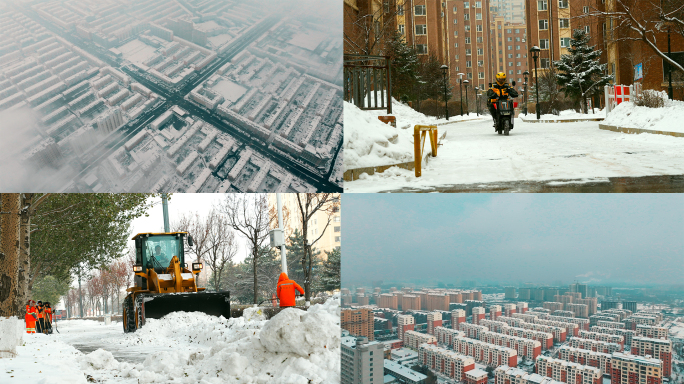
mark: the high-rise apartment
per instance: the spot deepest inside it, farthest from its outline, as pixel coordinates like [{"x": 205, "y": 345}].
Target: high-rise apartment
[
  {"x": 359, "y": 322},
  {"x": 512, "y": 11},
  {"x": 631, "y": 369},
  {"x": 404, "y": 323},
  {"x": 362, "y": 361},
  {"x": 434, "y": 319},
  {"x": 457, "y": 316},
  {"x": 509, "y": 293},
  {"x": 478, "y": 314},
  {"x": 630, "y": 305},
  {"x": 568, "y": 372},
  {"x": 446, "y": 362},
  {"x": 509, "y": 51},
  {"x": 386, "y": 300},
  {"x": 657, "y": 348}
]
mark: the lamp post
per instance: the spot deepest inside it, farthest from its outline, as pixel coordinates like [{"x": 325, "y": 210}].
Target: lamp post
[
  {"x": 460, "y": 87},
  {"x": 526, "y": 73},
  {"x": 669, "y": 66},
  {"x": 445, "y": 69},
  {"x": 466, "y": 87},
  {"x": 477, "y": 104},
  {"x": 535, "y": 55}
]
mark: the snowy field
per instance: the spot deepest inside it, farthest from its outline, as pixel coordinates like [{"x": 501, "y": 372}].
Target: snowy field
[
  {"x": 472, "y": 153},
  {"x": 669, "y": 118},
  {"x": 294, "y": 347}
]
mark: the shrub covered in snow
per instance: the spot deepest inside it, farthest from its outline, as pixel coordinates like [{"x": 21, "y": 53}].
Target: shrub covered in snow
[
  {"x": 667, "y": 118},
  {"x": 651, "y": 98}
]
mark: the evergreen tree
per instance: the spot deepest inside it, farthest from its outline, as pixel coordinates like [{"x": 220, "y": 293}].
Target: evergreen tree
[
  {"x": 330, "y": 279},
  {"x": 295, "y": 252},
  {"x": 404, "y": 66},
  {"x": 430, "y": 83},
  {"x": 579, "y": 71}
]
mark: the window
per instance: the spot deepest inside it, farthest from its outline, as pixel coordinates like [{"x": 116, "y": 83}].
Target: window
[
  {"x": 510, "y": 63},
  {"x": 387, "y": 7},
  {"x": 517, "y": 56},
  {"x": 478, "y": 4},
  {"x": 510, "y": 72},
  {"x": 517, "y": 39},
  {"x": 480, "y": 51},
  {"x": 544, "y": 63},
  {"x": 480, "y": 63},
  {"x": 519, "y": 72},
  {"x": 543, "y": 24},
  {"x": 466, "y": 16},
  {"x": 401, "y": 29},
  {"x": 517, "y": 30},
  {"x": 456, "y": 57},
  {"x": 336, "y": 219},
  {"x": 562, "y": 3},
  {"x": 586, "y": 9},
  {"x": 419, "y": 10},
  {"x": 499, "y": 26},
  {"x": 544, "y": 43},
  {"x": 467, "y": 28},
  {"x": 510, "y": 55},
  {"x": 564, "y": 23},
  {"x": 509, "y": 39},
  {"x": 478, "y": 16},
  {"x": 337, "y": 229},
  {"x": 510, "y": 47},
  {"x": 470, "y": 75},
  {"x": 455, "y": 21},
  {"x": 466, "y": 5},
  {"x": 480, "y": 75},
  {"x": 467, "y": 40},
  {"x": 455, "y": 9},
  {"x": 468, "y": 51},
  {"x": 469, "y": 63},
  {"x": 542, "y": 5},
  {"x": 400, "y": 10},
  {"x": 518, "y": 64},
  {"x": 421, "y": 29},
  {"x": 421, "y": 49},
  {"x": 455, "y": 33},
  {"x": 478, "y": 28},
  {"x": 517, "y": 47},
  {"x": 479, "y": 39},
  {"x": 586, "y": 29},
  {"x": 455, "y": 45},
  {"x": 565, "y": 42}
]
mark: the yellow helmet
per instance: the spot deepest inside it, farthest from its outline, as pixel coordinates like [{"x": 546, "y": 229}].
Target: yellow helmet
[{"x": 500, "y": 78}]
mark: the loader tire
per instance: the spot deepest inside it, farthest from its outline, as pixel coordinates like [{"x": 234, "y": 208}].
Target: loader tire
[
  {"x": 128, "y": 315},
  {"x": 139, "y": 311}
]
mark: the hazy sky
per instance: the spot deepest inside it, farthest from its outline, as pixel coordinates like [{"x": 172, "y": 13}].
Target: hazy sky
[{"x": 513, "y": 237}]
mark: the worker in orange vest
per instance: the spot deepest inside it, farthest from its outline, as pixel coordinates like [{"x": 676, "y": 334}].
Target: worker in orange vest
[
  {"x": 40, "y": 323},
  {"x": 48, "y": 317},
  {"x": 30, "y": 317},
  {"x": 286, "y": 291}
]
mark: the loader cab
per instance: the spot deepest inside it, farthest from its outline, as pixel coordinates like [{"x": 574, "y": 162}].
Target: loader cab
[{"x": 155, "y": 251}]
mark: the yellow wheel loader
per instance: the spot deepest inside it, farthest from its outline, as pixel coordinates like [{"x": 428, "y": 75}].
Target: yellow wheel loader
[{"x": 164, "y": 284}]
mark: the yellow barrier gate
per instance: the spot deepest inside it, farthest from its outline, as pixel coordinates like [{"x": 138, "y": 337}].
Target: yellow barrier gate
[{"x": 419, "y": 132}]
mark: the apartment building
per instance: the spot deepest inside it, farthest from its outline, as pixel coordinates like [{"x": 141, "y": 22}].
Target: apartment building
[
  {"x": 567, "y": 371},
  {"x": 636, "y": 319},
  {"x": 512, "y": 11},
  {"x": 509, "y": 292},
  {"x": 445, "y": 362},
  {"x": 494, "y": 311},
  {"x": 511, "y": 375},
  {"x": 437, "y": 302},
  {"x": 476, "y": 376},
  {"x": 409, "y": 302},
  {"x": 359, "y": 322},
  {"x": 510, "y": 309},
  {"x": 521, "y": 307},
  {"x": 455, "y": 297},
  {"x": 559, "y": 334},
  {"x": 582, "y": 323},
  {"x": 510, "y": 50},
  {"x": 361, "y": 361},
  {"x": 628, "y": 334},
  {"x": 564, "y": 313},
  {"x": 434, "y": 319},
  {"x": 478, "y": 315},
  {"x": 658, "y": 316},
  {"x": 591, "y": 303},
  {"x": 458, "y": 316},
  {"x": 402, "y": 373},
  {"x": 413, "y": 339},
  {"x": 404, "y": 323},
  {"x": 656, "y": 348},
  {"x": 611, "y": 324},
  {"x": 445, "y": 336},
  {"x": 525, "y": 293},
  {"x": 472, "y": 330},
  {"x": 608, "y": 338},
  {"x": 553, "y": 306},
  {"x": 525, "y": 347},
  {"x": 651, "y": 331},
  {"x": 631, "y": 369},
  {"x": 594, "y": 345},
  {"x": 486, "y": 353},
  {"x": 580, "y": 310},
  {"x": 584, "y": 356},
  {"x": 544, "y": 338},
  {"x": 623, "y": 313},
  {"x": 386, "y": 300},
  {"x": 563, "y": 299}
]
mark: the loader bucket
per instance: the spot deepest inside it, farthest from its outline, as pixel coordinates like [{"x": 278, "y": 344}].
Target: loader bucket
[{"x": 212, "y": 303}]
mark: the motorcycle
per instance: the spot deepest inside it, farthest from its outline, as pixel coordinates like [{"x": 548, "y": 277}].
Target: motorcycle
[{"x": 506, "y": 113}]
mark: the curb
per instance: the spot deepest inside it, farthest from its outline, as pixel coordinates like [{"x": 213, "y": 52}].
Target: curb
[{"x": 638, "y": 130}]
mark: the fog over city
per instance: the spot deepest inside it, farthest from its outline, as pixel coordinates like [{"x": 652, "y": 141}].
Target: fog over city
[{"x": 543, "y": 239}]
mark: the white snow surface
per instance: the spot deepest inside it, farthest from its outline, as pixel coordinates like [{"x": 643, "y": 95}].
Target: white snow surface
[
  {"x": 368, "y": 142},
  {"x": 293, "y": 347},
  {"x": 670, "y": 118},
  {"x": 12, "y": 330},
  {"x": 569, "y": 114},
  {"x": 473, "y": 153}
]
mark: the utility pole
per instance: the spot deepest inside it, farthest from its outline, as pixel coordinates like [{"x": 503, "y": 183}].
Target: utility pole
[
  {"x": 80, "y": 292},
  {"x": 165, "y": 206},
  {"x": 283, "y": 259}
]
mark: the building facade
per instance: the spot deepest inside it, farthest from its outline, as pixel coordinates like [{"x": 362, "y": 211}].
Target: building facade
[
  {"x": 631, "y": 369},
  {"x": 656, "y": 348},
  {"x": 568, "y": 372},
  {"x": 359, "y": 322},
  {"x": 361, "y": 361}
]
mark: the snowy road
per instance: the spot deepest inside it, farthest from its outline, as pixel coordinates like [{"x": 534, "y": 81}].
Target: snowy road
[{"x": 474, "y": 157}]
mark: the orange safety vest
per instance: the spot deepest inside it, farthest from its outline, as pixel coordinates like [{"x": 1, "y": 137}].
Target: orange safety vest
[
  {"x": 48, "y": 314},
  {"x": 30, "y": 320},
  {"x": 40, "y": 313},
  {"x": 286, "y": 290}
]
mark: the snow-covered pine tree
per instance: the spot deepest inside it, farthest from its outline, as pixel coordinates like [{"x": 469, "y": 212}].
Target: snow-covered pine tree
[
  {"x": 404, "y": 66},
  {"x": 579, "y": 72}
]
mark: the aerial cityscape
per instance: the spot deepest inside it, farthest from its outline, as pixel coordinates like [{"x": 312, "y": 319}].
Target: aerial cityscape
[
  {"x": 450, "y": 298},
  {"x": 188, "y": 95}
]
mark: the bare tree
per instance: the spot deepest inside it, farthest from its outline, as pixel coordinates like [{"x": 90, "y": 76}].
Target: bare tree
[
  {"x": 9, "y": 254},
  {"x": 309, "y": 204},
  {"x": 221, "y": 245},
  {"x": 248, "y": 214},
  {"x": 198, "y": 228},
  {"x": 370, "y": 25}
]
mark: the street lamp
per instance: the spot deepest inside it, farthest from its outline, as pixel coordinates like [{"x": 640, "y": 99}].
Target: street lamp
[
  {"x": 477, "y": 105},
  {"x": 466, "y": 87},
  {"x": 526, "y": 73},
  {"x": 445, "y": 69},
  {"x": 460, "y": 87},
  {"x": 535, "y": 55}
]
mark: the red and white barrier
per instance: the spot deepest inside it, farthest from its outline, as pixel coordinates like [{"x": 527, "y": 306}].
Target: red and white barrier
[{"x": 616, "y": 94}]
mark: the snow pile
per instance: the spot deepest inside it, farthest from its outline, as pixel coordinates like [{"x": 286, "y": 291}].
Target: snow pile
[
  {"x": 368, "y": 142},
  {"x": 568, "y": 114},
  {"x": 669, "y": 118},
  {"x": 12, "y": 329},
  {"x": 100, "y": 359}
]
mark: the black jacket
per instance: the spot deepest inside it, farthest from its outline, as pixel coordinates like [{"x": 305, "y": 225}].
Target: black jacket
[{"x": 507, "y": 90}]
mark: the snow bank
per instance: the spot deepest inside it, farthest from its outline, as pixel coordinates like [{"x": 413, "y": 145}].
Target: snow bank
[
  {"x": 669, "y": 118},
  {"x": 368, "y": 142},
  {"x": 293, "y": 347},
  {"x": 12, "y": 329}
]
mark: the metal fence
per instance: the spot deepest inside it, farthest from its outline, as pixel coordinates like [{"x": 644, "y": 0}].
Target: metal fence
[{"x": 368, "y": 81}]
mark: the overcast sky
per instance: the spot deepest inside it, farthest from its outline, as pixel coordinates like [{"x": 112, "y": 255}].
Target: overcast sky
[{"x": 540, "y": 238}]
